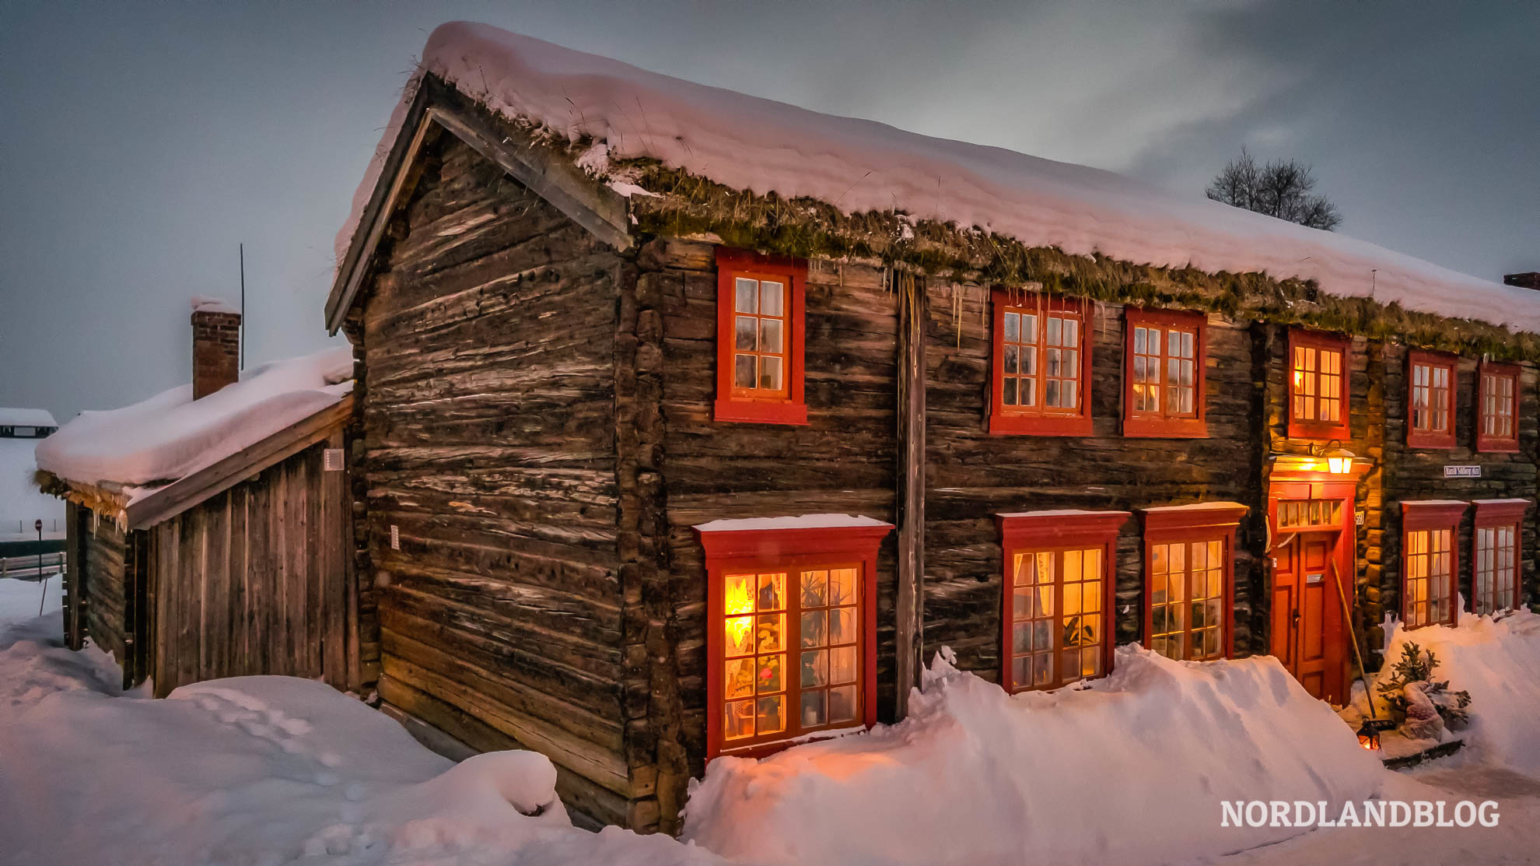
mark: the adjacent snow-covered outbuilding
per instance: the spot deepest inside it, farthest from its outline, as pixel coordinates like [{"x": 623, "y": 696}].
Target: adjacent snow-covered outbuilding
[
  {"x": 693, "y": 421},
  {"x": 209, "y": 533}
]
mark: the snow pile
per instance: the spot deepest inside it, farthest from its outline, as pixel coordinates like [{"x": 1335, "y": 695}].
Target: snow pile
[
  {"x": 171, "y": 436},
  {"x": 253, "y": 770},
  {"x": 1498, "y": 662},
  {"x": 761, "y": 145},
  {"x": 1130, "y": 770}
]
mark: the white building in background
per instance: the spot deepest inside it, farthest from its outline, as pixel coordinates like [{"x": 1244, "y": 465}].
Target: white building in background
[{"x": 21, "y": 503}]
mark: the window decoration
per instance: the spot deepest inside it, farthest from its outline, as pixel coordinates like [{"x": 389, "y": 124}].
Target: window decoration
[
  {"x": 1189, "y": 579},
  {"x": 1042, "y": 365},
  {"x": 760, "y": 313},
  {"x": 1305, "y": 513},
  {"x": 1428, "y": 561},
  {"x": 792, "y": 640},
  {"x": 1496, "y": 582},
  {"x": 1058, "y": 596},
  {"x": 1318, "y": 385},
  {"x": 1497, "y": 427},
  {"x": 1164, "y": 374},
  {"x": 1430, "y": 399}
]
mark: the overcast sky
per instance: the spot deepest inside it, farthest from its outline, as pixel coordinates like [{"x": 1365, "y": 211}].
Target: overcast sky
[{"x": 141, "y": 143}]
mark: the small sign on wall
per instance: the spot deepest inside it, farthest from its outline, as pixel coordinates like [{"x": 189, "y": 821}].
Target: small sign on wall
[
  {"x": 1462, "y": 471},
  {"x": 331, "y": 459},
  {"x": 395, "y": 537}
]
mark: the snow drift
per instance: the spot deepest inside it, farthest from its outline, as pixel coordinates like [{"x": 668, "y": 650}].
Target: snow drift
[
  {"x": 749, "y": 143},
  {"x": 171, "y": 436},
  {"x": 1130, "y": 770},
  {"x": 1498, "y": 662}
]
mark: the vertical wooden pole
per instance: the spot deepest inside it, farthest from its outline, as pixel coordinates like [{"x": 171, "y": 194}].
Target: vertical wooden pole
[{"x": 911, "y": 486}]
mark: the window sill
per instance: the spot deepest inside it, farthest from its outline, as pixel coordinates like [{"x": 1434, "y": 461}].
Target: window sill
[
  {"x": 1307, "y": 430},
  {"x": 1497, "y": 446},
  {"x": 1165, "y": 428},
  {"x": 1430, "y": 441},
  {"x": 748, "y": 411},
  {"x": 1039, "y": 425}
]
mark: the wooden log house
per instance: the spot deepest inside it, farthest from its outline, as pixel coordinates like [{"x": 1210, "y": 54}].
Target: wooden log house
[
  {"x": 241, "y": 567},
  {"x": 625, "y": 458}
]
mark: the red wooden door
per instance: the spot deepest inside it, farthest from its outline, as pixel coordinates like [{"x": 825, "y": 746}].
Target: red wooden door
[{"x": 1303, "y": 580}]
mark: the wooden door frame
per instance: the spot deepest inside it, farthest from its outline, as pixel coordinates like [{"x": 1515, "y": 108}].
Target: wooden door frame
[{"x": 1291, "y": 484}]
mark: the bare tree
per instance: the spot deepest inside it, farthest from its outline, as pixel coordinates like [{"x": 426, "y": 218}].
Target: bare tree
[{"x": 1279, "y": 189}]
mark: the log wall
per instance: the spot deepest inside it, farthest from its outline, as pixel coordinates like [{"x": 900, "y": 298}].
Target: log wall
[
  {"x": 254, "y": 580},
  {"x": 843, "y": 461},
  {"x": 1414, "y": 473},
  {"x": 972, "y": 475},
  {"x": 488, "y": 338}
]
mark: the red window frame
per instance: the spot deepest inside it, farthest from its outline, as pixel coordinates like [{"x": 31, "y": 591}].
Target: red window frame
[
  {"x": 1056, "y": 532},
  {"x": 1162, "y": 422},
  {"x": 1426, "y": 432},
  {"x": 1498, "y": 515},
  {"x": 1313, "y": 428},
  {"x": 788, "y": 404},
  {"x": 804, "y": 549},
  {"x": 1430, "y": 517},
  {"x": 1040, "y": 420},
  {"x": 1487, "y": 401},
  {"x": 1187, "y": 526}
]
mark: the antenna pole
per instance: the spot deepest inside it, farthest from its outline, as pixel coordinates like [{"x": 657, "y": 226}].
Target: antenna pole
[{"x": 243, "y": 306}]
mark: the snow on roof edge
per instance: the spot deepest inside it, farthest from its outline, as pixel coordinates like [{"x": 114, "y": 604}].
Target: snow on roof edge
[
  {"x": 170, "y": 436},
  {"x": 746, "y": 142},
  {"x": 24, "y": 417},
  {"x": 802, "y": 521}
]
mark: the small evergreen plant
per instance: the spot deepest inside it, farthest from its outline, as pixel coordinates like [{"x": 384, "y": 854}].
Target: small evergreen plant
[{"x": 1416, "y": 666}]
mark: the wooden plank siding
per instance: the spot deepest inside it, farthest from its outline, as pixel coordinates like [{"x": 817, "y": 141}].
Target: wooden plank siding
[
  {"x": 243, "y": 581},
  {"x": 105, "y": 548},
  {"x": 488, "y": 425}
]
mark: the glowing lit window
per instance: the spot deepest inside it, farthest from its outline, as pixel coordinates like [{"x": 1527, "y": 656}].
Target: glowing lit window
[
  {"x": 1189, "y": 573},
  {"x": 793, "y": 653},
  {"x": 1428, "y": 562},
  {"x": 1164, "y": 375},
  {"x": 1058, "y": 624},
  {"x": 1058, "y": 581},
  {"x": 1497, "y": 428},
  {"x": 1430, "y": 400},
  {"x": 1041, "y": 364},
  {"x": 759, "y": 338},
  {"x": 1318, "y": 404},
  {"x": 791, "y": 649}
]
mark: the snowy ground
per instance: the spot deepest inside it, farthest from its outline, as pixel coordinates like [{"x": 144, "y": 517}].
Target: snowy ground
[{"x": 269, "y": 770}]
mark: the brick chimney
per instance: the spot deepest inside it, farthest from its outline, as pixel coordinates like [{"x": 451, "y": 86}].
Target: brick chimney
[
  {"x": 216, "y": 346},
  {"x": 1530, "y": 280}
]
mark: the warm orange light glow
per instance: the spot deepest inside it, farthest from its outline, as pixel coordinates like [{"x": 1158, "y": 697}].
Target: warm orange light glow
[
  {"x": 740, "y": 594},
  {"x": 1339, "y": 465}
]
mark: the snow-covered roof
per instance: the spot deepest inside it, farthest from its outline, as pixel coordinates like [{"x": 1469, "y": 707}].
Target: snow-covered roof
[
  {"x": 171, "y": 436},
  {"x": 745, "y": 142},
  {"x": 804, "y": 521},
  {"x": 26, "y": 418}
]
